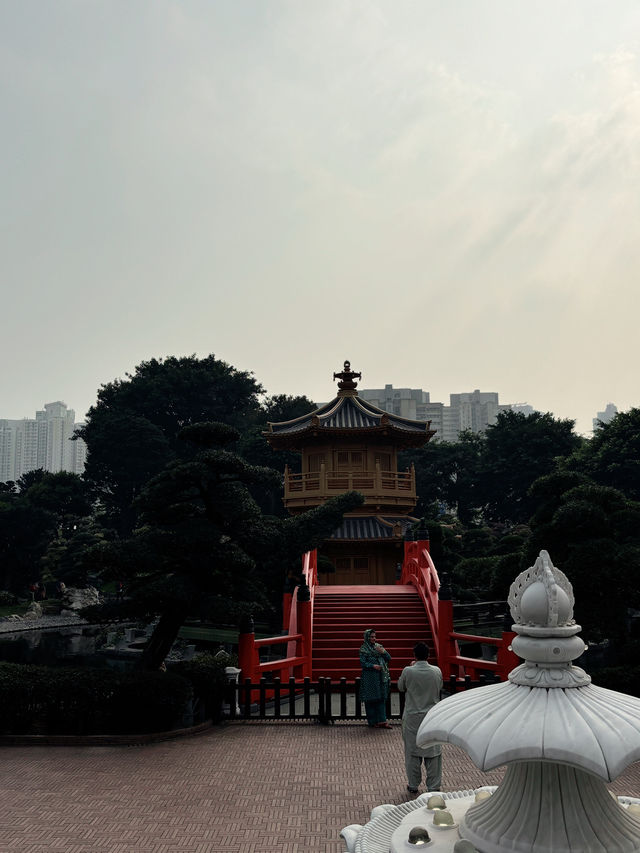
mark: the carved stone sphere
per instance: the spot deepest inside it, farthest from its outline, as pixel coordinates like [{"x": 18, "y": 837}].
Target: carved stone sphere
[{"x": 534, "y": 605}]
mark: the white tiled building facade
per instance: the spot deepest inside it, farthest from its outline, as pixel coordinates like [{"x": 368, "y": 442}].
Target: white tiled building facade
[{"x": 43, "y": 442}]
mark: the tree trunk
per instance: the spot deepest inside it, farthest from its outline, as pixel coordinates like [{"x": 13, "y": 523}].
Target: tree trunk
[{"x": 161, "y": 640}]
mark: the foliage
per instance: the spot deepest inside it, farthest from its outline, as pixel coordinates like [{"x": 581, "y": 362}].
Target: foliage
[
  {"x": 448, "y": 474},
  {"x": 39, "y": 509},
  {"x": 25, "y": 532},
  {"x": 132, "y": 431},
  {"x": 68, "y": 557},
  {"x": 202, "y": 538},
  {"x": 478, "y": 541},
  {"x": 63, "y": 494},
  {"x": 591, "y": 533},
  {"x": 254, "y": 447},
  {"x": 612, "y": 456},
  {"x": 518, "y": 450},
  {"x": 445, "y": 542},
  {"x": 475, "y": 573},
  {"x": 89, "y": 701},
  {"x": 484, "y": 478},
  {"x": 208, "y": 680}
]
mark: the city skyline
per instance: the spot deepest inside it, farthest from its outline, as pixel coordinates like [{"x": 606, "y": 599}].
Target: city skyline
[
  {"x": 520, "y": 405},
  {"x": 445, "y": 194},
  {"x": 44, "y": 441}
]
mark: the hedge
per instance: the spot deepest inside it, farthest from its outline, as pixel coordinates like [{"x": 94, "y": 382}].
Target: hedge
[
  {"x": 42, "y": 700},
  {"x": 209, "y": 682}
]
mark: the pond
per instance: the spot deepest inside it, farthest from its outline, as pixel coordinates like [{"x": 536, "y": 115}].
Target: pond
[
  {"x": 74, "y": 645},
  {"x": 90, "y": 645}
]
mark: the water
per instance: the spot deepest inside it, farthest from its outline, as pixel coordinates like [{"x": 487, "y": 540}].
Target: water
[
  {"x": 84, "y": 645},
  {"x": 72, "y": 646}
]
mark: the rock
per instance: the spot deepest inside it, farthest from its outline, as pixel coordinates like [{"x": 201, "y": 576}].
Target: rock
[
  {"x": 13, "y": 617},
  {"x": 74, "y": 599},
  {"x": 34, "y": 611}
]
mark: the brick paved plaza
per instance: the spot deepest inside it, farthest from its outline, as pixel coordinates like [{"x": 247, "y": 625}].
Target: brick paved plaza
[{"x": 245, "y": 787}]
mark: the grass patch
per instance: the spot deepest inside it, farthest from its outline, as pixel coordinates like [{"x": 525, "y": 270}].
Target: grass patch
[
  {"x": 226, "y": 636},
  {"x": 19, "y": 608}
]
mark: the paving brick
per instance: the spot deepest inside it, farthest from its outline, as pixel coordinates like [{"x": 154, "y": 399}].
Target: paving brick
[{"x": 244, "y": 787}]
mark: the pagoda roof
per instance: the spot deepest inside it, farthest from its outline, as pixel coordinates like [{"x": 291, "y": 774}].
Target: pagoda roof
[
  {"x": 348, "y": 415},
  {"x": 360, "y": 527}
]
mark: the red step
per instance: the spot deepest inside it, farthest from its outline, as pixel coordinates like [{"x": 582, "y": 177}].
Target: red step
[{"x": 341, "y": 614}]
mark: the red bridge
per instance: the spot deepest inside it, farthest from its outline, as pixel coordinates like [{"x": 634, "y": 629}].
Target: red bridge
[{"x": 325, "y": 626}]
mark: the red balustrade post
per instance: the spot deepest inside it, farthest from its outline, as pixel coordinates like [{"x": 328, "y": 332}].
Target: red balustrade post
[
  {"x": 445, "y": 629},
  {"x": 247, "y": 648},
  {"x": 304, "y": 625},
  {"x": 410, "y": 551},
  {"x": 422, "y": 537},
  {"x": 423, "y": 544}
]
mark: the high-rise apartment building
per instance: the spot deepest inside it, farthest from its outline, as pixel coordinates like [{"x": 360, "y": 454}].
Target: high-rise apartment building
[
  {"x": 405, "y": 402},
  {"x": 475, "y": 410},
  {"x": 41, "y": 442},
  {"x": 610, "y": 411}
]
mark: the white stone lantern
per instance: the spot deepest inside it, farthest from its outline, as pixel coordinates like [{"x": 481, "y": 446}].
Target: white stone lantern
[{"x": 561, "y": 737}]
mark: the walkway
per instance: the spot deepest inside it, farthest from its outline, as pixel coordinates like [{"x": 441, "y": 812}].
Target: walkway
[{"x": 242, "y": 787}]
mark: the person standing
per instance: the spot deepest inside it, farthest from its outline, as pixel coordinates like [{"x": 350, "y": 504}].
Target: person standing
[
  {"x": 375, "y": 680},
  {"x": 422, "y": 684}
]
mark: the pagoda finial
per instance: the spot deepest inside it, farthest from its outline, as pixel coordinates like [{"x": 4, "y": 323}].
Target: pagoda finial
[{"x": 346, "y": 378}]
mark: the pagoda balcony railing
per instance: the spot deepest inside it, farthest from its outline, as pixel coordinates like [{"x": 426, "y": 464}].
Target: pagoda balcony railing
[{"x": 397, "y": 487}]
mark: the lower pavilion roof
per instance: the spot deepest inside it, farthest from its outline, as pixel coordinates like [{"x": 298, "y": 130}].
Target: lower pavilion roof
[{"x": 355, "y": 528}]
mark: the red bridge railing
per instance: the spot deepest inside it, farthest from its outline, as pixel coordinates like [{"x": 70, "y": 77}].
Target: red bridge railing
[
  {"x": 418, "y": 569},
  {"x": 298, "y": 608}
]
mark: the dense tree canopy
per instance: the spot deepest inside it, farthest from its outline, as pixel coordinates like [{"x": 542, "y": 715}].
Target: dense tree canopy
[
  {"x": 203, "y": 544},
  {"x": 484, "y": 478},
  {"x": 35, "y": 512},
  {"x": 612, "y": 456},
  {"x": 518, "y": 450},
  {"x": 132, "y": 431},
  {"x": 529, "y": 483},
  {"x": 253, "y": 447},
  {"x": 449, "y": 474},
  {"x": 593, "y": 534}
]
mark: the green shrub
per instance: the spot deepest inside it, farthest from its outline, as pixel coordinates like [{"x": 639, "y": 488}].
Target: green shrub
[
  {"x": 475, "y": 572},
  {"x": 208, "y": 680},
  {"x": 37, "y": 699},
  {"x": 7, "y": 598}
]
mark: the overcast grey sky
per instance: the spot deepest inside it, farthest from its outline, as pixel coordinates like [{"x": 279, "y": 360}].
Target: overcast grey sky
[{"x": 446, "y": 193}]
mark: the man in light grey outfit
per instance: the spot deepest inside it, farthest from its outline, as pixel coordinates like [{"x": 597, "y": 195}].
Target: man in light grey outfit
[{"x": 422, "y": 684}]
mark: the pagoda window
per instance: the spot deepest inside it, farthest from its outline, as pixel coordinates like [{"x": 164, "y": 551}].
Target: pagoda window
[
  {"x": 315, "y": 460},
  {"x": 384, "y": 460},
  {"x": 350, "y": 460}
]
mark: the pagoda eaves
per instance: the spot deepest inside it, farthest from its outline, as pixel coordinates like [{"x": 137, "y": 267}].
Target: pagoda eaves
[{"x": 347, "y": 416}]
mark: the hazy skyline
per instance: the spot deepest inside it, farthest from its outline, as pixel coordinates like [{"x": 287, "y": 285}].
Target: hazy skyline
[{"x": 445, "y": 193}]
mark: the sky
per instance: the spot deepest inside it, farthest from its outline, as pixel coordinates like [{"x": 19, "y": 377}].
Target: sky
[{"x": 445, "y": 193}]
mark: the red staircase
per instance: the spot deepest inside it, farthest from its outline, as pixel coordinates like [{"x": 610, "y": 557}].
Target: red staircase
[{"x": 341, "y": 615}]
